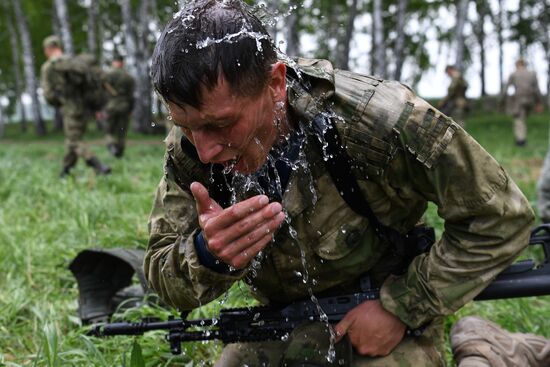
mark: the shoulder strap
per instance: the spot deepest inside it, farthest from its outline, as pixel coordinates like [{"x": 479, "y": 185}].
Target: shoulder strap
[
  {"x": 337, "y": 162},
  {"x": 409, "y": 245}
]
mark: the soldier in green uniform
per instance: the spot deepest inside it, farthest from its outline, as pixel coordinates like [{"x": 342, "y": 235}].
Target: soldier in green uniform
[
  {"x": 63, "y": 81},
  {"x": 526, "y": 95},
  {"x": 455, "y": 104},
  {"x": 119, "y": 85},
  {"x": 246, "y": 195}
]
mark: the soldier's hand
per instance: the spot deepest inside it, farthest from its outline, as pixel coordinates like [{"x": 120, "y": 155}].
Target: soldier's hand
[
  {"x": 236, "y": 234},
  {"x": 372, "y": 330},
  {"x": 539, "y": 108}
]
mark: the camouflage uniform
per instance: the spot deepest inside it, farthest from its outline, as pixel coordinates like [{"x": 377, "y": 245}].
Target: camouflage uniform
[
  {"x": 59, "y": 92},
  {"x": 405, "y": 153},
  {"x": 120, "y": 89},
  {"x": 520, "y": 104},
  {"x": 455, "y": 103}
]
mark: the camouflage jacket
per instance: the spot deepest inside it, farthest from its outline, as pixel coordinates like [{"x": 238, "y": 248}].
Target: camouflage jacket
[
  {"x": 63, "y": 80},
  {"x": 526, "y": 90},
  {"x": 456, "y": 93},
  {"x": 119, "y": 86},
  {"x": 405, "y": 154}
]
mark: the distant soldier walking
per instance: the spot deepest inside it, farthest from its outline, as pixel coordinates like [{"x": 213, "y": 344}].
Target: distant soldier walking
[
  {"x": 526, "y": 95},
  {"x": 455, "y": 104},
  {"x": 68, "y": 83},
  {"x": 120, "y": 91}
]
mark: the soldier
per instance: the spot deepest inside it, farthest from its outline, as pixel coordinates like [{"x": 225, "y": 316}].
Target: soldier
[
  {"x": 120, "y": 90},
  {"x": 526, "y": 96},
  {"x": 455, "y": 103},
  {"x": 255, "y": 189},
  {"x": 63, "y": 81}
]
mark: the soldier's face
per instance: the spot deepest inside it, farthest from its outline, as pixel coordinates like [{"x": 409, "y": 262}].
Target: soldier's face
[{"x": 233, "y": 130}]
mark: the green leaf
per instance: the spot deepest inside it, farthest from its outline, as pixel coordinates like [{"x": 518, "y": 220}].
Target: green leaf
[{"x": 136, "y": 357}]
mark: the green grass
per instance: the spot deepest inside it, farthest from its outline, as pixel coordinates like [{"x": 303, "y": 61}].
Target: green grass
[{"x": 45, "y": 222}]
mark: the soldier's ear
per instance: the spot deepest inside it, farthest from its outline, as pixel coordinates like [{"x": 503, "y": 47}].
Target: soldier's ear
[{"x": 277, "y": 83}]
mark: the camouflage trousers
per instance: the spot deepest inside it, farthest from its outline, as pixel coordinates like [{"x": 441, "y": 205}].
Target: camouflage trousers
[
  {"x": 117, "y": 128},
  {"x": 74, "y": 127},
  {"x": 520, "y": 124},
  {"x": 309, "y": 346}
]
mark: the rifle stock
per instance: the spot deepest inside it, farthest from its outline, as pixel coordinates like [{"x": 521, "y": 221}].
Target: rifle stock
[{"x": 521, "y": 279}]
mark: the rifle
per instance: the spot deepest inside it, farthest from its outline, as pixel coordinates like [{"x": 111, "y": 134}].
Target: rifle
[{"x": 522, "y": 279}]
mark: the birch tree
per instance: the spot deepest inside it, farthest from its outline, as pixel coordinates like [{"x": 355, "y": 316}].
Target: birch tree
[
  {"x": 28, "y": 67},
  {"x": 137, "y": 60},
  {"x": 292, "y": 34},
  {"x": 479, "y": 31},
  {"x": 15, "y": 53},
  {"x": 379, "y": 46},
  {"x": 344, "y": 42},
  {"x": 461, "y": 16},
  {"x": 399, "y": 50},
  {"x": 500, "y": 38},
  {"x": 93, "y": 16},
  {"x": 64, "y": 26}
]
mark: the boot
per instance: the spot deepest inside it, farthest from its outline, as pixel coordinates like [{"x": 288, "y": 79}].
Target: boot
[
  {"x": 119, "y": 152},
  {"x": 478, "y": 342},
  {"x": 112, "y": 148},
  {"x": 99, "y": 168},
  {"x": 65, "y": 171}
]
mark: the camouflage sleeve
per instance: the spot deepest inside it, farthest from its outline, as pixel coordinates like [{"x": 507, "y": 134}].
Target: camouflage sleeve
[
  {"x": 487, "y": 218},
  {"x": 50, "y": 84},
  {"x": 171, "y": 265}
]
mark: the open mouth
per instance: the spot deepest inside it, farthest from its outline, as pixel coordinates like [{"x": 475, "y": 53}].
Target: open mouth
[{"x": 229, "y": 165}]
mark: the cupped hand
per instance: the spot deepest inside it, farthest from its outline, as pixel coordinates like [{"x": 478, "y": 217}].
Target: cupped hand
[{"x": 236, "y": 234}]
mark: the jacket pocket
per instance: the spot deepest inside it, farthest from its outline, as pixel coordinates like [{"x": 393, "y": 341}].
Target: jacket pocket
[{"x": 342, "y": 238}]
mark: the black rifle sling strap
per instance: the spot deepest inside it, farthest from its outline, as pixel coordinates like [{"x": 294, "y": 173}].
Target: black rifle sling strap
[{"x": 338, "y": 164}]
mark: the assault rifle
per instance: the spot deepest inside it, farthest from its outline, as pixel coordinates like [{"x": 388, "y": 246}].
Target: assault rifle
[{"x": 522, "y": 279}]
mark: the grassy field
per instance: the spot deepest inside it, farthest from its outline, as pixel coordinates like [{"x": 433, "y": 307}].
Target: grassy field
[{"x": 45, "y": 222}]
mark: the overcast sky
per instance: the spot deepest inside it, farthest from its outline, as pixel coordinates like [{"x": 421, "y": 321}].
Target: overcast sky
[{"x": 434, "y": 82}]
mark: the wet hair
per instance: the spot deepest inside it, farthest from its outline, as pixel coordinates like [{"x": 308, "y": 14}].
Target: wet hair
[{"x": 207, "y": 39}]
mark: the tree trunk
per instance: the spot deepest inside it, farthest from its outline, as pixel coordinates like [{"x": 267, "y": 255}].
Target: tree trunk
[
  {"x": 499, "y": 22},
  {"x": 2, "y": 121},
  {"x": 65, "y": 26},
  {"x": 461, "y": 16},
  {"x": 137, "y": 61},
  {"x": 93, "y": 15},
  {"x": 342, "y": 57},
  {"x": 400, "y": 40},
  {"x": 16, "y": 67},
  {"x": 378, "y": 35},
  {"x": 292, "y": 29},
  {"x": 28, "y": 64},
  {"x": 479, "y": 30},
  {"x": 57, "y": 120}
]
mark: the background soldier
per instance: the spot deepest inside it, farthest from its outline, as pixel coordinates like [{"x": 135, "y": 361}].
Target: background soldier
[
  {"x": 526, "y": 95},
  {"x": 455, "y": 104},
  {"x": 241, "y": 110},
  {"x": 66, "y": 82},
  {"x": 120, "y": 91}
]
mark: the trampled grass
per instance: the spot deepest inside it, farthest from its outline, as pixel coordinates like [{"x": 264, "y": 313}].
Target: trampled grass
[{"x": 45, "y": 222}]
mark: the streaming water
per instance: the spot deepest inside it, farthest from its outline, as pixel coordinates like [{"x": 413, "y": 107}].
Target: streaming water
[{"x": 241, "y": 186}]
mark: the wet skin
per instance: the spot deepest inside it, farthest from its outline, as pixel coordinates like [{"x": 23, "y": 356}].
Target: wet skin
[{"x": 238, "y": 132}]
